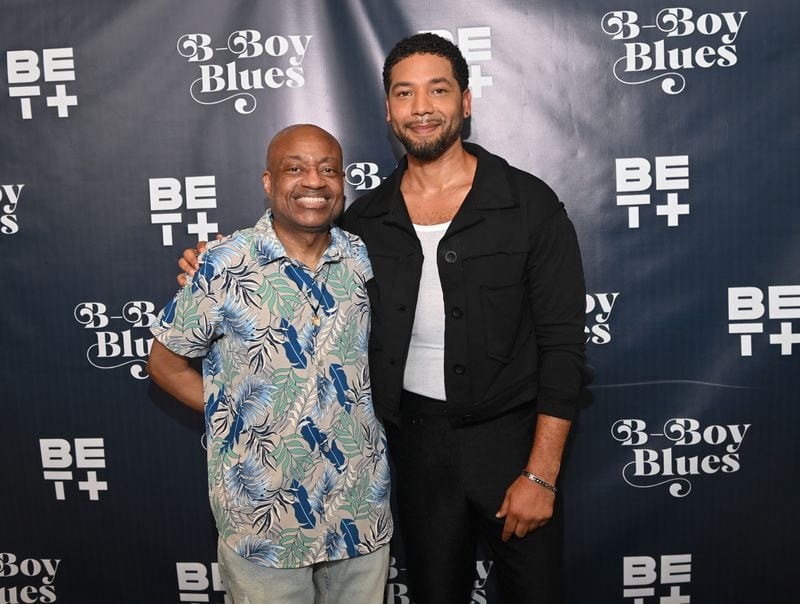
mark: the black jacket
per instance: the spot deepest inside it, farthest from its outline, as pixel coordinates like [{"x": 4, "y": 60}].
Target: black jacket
[{"x": 513, "y": 290}]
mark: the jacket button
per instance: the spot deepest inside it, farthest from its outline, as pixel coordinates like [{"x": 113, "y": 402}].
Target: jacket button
[
  {"x": 450, "y": 256},
  {"x": 468, "y": 418},
  {"x": 402, "y": 307},
  {"x": 457, "y": 312},
  {"x": 392, "y": 362},
  {"x": 459, "y": 369}
]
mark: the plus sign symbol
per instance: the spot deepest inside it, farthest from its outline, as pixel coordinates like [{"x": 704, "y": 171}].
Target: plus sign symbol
[
  {"x": 62, "y": 101},
  {"x": 786, "y": 338},
  {"x": 672, "y": 209},
  {"x": 92, "y": 485},
  {"x": 202, "y": 228}
]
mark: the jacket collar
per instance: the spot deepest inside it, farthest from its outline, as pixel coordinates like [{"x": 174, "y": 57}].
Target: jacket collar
[{"x": 491, "y": 189}]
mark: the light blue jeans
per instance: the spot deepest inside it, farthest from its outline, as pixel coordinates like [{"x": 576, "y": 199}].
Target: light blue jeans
[{"x": 353, "y": 581}]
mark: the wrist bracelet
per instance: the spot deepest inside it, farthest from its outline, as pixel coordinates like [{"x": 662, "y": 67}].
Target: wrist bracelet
[{"x": 539, "y": 481}]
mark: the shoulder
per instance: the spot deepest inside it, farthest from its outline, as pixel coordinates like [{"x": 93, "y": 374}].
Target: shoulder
[
  {"x": 540, "y": 201},
  {"x": 524, "y": 184},
  {"x": 367, "y": 201},
  {"x": 536, "y": 198},
  {"x": 355, "y": 249},
  {"x": 221, "y": 255},
  {"x": 229, "y": 250},
  {"x": 531, "y": 187}
]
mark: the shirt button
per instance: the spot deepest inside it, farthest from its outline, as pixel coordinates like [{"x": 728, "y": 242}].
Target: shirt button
[
  {"x": 459, "y": 369},
  {"x": 450, "y": 256},
  {"x": 457, "y": 312}
]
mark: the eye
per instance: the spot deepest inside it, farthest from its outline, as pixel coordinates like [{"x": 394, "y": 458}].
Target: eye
[{"x": 403, "y": 93}]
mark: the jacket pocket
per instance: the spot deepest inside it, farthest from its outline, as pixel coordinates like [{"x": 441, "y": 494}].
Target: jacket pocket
[{"x": 502, "y": 309}]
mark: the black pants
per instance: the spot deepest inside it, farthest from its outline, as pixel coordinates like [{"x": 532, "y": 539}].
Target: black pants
[{"x": 450, "y": 484}]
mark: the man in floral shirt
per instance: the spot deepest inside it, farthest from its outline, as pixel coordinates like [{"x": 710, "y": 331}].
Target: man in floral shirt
[{"x": 297, "y": 468}]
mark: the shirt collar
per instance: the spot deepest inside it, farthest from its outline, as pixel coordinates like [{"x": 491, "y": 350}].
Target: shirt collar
[{"x": 269, "y": 248}]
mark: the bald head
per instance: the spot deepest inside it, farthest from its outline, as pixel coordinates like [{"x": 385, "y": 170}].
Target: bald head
[{"x": 289, "y": 136}]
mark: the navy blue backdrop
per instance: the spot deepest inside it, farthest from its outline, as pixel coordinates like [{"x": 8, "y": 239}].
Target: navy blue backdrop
[{"x": 131, "y": 130}]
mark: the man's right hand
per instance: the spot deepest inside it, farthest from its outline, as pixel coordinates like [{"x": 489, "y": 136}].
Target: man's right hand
[{"x": 189, "y": 263}]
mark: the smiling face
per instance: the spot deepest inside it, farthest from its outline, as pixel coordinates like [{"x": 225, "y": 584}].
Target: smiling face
[
  {"x": 304, "y": 181},
  {"x": 425, "y": 105}
]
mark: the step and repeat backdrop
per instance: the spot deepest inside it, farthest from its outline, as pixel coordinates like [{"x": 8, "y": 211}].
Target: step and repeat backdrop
[{"x": 131, "y": 130}]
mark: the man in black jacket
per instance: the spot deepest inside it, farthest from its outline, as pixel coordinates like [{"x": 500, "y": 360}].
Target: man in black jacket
[{"x": 477, "y": 346}]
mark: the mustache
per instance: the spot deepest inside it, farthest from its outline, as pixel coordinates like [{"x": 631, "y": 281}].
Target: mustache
[{"x": 423, "y": 121}]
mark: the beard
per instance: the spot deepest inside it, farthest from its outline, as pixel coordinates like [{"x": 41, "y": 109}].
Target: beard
[{"x": 430, "y": 149}]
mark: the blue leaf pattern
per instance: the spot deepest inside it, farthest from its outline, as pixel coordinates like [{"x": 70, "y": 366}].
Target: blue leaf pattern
[
  {"x": 327, "y": 445},
  {"x": 351, "y": 538},
  {"x": 267, "y": 249},
  {"x": 212, "y": 404},
  {"x": 168, "y": 316},
  {"x": 234, "y": 432},
  {"x": 322, "y": 490},
  {"x": 236, "y": 321},
  {"x": 339, "y": 379},
  {"x": 291, "y": 344},
  {"x": 334, "y": 455},
  {"x": 302, "y": 508},
  {"x": 217, "y": 256},
  {"x": 310, "y": 432},
  {"x": 258, "y": 550},
  {"x": 335, "y": 547},
  {"x": 246, "y": 481},
  {"x": 305, "y": 282}
]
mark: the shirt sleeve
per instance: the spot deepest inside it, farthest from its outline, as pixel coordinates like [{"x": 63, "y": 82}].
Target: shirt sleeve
[
  {"x": 558, "y": 294},
  {"x": 190, "y": 321}
]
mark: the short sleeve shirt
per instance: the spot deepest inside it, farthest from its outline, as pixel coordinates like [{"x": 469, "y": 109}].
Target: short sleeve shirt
[{"x": 297, "y": 463}]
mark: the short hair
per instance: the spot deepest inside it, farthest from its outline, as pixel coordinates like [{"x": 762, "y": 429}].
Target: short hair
[{"x": 427, "y": 44}]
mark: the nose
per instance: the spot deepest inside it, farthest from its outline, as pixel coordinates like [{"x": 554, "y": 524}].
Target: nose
[
  {"x": 313, "y": 180},
  {"x": 421, "y": 105}
]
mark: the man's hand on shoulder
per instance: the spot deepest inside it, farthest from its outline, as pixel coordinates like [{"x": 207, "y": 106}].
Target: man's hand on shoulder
[{"x": 189, "y": 262}]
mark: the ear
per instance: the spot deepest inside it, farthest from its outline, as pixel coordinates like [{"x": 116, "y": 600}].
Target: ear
[
  {"x": 266, "y": 178},
  {"x": 466, "y": 103},
  {"x": 388, "y": 113}
]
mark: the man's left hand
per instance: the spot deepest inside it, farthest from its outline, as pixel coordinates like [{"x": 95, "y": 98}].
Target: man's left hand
[{"x": 526, "y": 507}]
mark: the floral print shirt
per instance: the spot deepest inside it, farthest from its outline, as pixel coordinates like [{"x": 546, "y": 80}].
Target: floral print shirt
[{"x": 297, "y": 462}]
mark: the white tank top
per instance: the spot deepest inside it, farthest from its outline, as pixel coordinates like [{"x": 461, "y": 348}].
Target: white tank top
[{"x": 424, "y": 372}]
